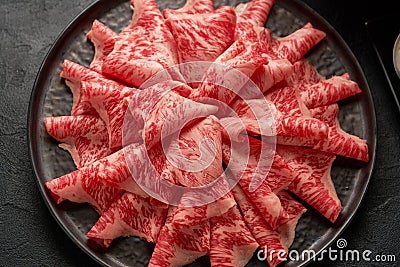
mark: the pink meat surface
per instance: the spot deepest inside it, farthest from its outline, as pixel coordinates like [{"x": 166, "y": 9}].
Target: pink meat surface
[
  {"x": 203, "y": 37},
  {"x": 269, "y": 240},
  {"x": 74, "y": 74},
  {"x": 328, "y": 91},
  {"x": 231, "y": 244},
  {"x": 192, "y": 216},
  {"x": 266, "y": 201},
  {"x": 339, "y": 142},
  {"x": 180, "y": 246},
  {"x": 167, "y": 114},
  {"x": 84, "y": 137},
  {"x": 107, "y": 100},
  {"x": 270, "y": 74},
  {"x": 148, "y": 47},
  {"x": 191, "y": 7},
  {"x": 254, "y": 13},
  {"x": 313, "y": 184},
  {"x": 225, "y": 79},
  {"x": 130, "y": 215},
  {"x": 87, "y": 185},
  {"x": 103, "y": 39},
  {"x": 294, "y": 46}
]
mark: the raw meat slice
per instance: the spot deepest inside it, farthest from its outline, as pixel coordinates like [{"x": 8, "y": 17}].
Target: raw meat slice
[
  {"x": 231, "y": 242},
  {"x": 191, "y": 216},
  {"x": 107, "y": 100},
  {"x": 84, "y": 137},
  {"x": 339, "y": 142},
  {"x": 74, "y": 75},
  {"x": 130, "y": 215},
  {"x": 103, "y": 39},
  {"x": 86, "y": 186},
  {"x": 199, "y": 145},
  {"x": 294, "y": 118},
  {"x": 142, "y": 103},
  {"x": 270, "y": 74},
  {"x": 148, "y": 47},
  {"x": 109, "y": 172},
  {"x": 303, "y": 73},
  {"x": 203, "y": 37},
  {"x": 259, "y": 192},
  {"x": 168, "y": 114},
  {"x": 328, "y": 91},
  {"x": 254, "y": 13},
  {"x": 313, "y": 184},
  {"x": 225, "y": 79},
  {"x": 294, "y": 209},
  {"x": 294, "y": 46},
  {"x": 178, "y": 247},
  {"x": 191, "y": 7},
  {"x": 287, "y": 122},
  {"x": 269, "y": 240}
]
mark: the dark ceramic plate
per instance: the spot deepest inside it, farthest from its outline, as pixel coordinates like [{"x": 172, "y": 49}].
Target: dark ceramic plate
[{"x": 50, "y": 97}]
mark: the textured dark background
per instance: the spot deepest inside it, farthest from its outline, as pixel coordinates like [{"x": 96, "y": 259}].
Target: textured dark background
[{"x": 29, "y": 236}]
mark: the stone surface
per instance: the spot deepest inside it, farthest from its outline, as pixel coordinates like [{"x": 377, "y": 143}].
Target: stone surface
[{"x": 29, "y": 236}]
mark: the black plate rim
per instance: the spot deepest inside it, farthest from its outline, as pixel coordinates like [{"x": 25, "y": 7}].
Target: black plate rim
[{"x": 336, "y": 38}]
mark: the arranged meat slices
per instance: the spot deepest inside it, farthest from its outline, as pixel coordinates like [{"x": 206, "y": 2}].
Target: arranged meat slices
[
  {"x": 164, "y": 162},
  {"x": 107, "y": 100},
  {"x": 313, "y": 184},
  {"x": 231, "y": 242},
  {"x": 84, "y": 137},
  {"x": 270, "y": 240},
  {"x": 293, "y": 47},
  {"x": 147, "y": 48},
  {"x": 253, "y": 13},
  {"x": 87, "y": 186},
  {"x": 130, "y": 215},
  {"x": 180, "y": 246},
  {"x": 339, "y": 142},
  {"x": 202, "y": 37},
  {"x": 103, "y": 39}
]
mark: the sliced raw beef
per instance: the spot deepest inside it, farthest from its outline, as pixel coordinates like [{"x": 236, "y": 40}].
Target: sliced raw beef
[
  {"x": 294, "y": 46},
  {"x": 313, "y": 184},
  {"x": 272, "y": 73},
  {"x": 143, "y": 102},
  {"x": 254, "y": 13},
  {"x": 303, "y": 73},
  {"x": 180, "y": 246},
  {"x": 191, "y": 7},
  {"x": 130, "y": 215},
  {"x": 231, "y": 242},
  {"x": 103, "y": 39},
  {"x": 270, "y": 240},
  {"x": 294, "y": 118},
  {"x": 192, "y": 216},
  {"x": 107, "y": 100},
  {"x": 262, "y": 196},
  {"x": 203, "y": 37},
  {"x": 110, "y": 172},
  {"x": 147, "y": 48},
  {"x": 74, "y": 75},
  {"x": 225, "y": 79},
  {"x": 86, "y": 185},
  {"x": 294, "y": 209},
  {"x": 84, "y": 137},
  {"x": 288, "y": 118},
  {"x": 339, "y": 142},
  {"x": 169, "y": 113},
  {"x": 328, "y": 91}
]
